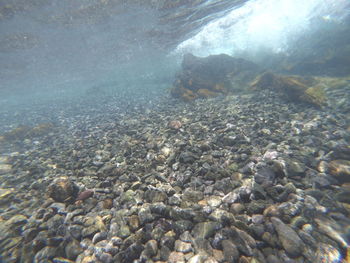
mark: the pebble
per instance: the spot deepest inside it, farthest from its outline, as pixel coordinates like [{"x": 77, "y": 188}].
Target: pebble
[{"x": 203, "y": 192}]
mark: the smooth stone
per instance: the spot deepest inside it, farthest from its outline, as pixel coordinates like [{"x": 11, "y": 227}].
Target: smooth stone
[
  {"x": 17, "y": 220},
  {"x": 290, "y": 240},
  {"x": 99, "y": 237}
]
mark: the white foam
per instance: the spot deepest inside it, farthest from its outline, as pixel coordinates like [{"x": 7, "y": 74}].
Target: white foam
[{"x": 263, "y": 24}]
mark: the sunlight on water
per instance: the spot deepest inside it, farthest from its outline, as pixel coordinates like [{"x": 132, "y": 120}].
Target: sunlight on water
[{"x": 263, "y": 24}]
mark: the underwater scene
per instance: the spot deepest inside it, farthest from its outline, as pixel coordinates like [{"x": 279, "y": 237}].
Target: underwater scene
[{"x": 154, "y": 131}]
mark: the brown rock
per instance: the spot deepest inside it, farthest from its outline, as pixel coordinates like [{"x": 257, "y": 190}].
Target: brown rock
[{"x": 63, "y": 190}]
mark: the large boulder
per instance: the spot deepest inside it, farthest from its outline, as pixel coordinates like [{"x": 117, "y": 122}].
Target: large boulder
[{"x": 211, "y": 76}]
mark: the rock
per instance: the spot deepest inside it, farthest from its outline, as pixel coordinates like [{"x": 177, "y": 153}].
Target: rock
[
  {"x": 62, "y": 260},
  {"x": 214, "y": 201},
  {"x": 332, "y": 229},
  {"x": 180, "y": 226},
  {"x": 243, "y": 241},
  {"x": 73, "y": 249},
  {"x": 175, "y": 124},
  {"x": 187, "y": 157},
  {"x": 47, "y": 253},
  {"x": 198, "y": 259},
  {"x": 192, "y": 196},
  {"x": 340, "y": 169},
  {"x": 256, "y": 207},
  {"x": 132, "y": 252},
  {"x": 151, "y": 248},
  {"x": 155, "y": 195},
  {"x": 63, "y": 190},
  {"x": 265, "y": 176},
  {"x": 294, "y": 168},
  {"x": 326, "y": 253},
  {"x": 55, "y": 222},
  {"x": 290, "y": 240},
  {"x": 217, "y": 154},
  {"x": 343, "y": 196},
  {"x": 222, "y": 216},
  {"x": 209, "y": 76},
  {"x": 176, "y": 257},
  {"x": 85, "y": 195},
  {"x": 105, "y": 258},
  {"x": 5, "y": 168},
  {"x": 218, "y": 255},
  {"x": 17, "y": 220},
  {"x": 294, "y": 88},
  {"x": 75, "y": 231},
  {"x": 99, "y": 236},
  {"x": 205, "y": 229},
  {"x": 145, "y": 215},
  {"x": 231, "y": 253},
  {"x": 6, "y": 194},
  {"x": 183, "y": 247}
]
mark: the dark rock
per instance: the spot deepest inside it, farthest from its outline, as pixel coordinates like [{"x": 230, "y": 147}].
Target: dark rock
[
  {"x": 208, "y": 77},
  {"x": 168, "y": 241},
  {"x": 99, "y": 236},
  {"x": 145, "y": 216},
  {"x": 47, "y": 254},
  {"x": 244, "y": 242},
  {"x": 231, "y": 252},
  {"x": 258, "y": 191},
  {"x": 290, "y": 240},
  {"x": 181, "y": 226},
  {"x": 73, "y": 249},
  {"x": 205, "y": 229},
  {"x": 340, "y": 170},
  {"x": 295, "y": 168},
  {"x": 132, "y": 252},
  {"x": 151, "y": 248},
  {"x": 192, "y": 196},
  {"x": 75, "y": 231},
  {"x": 187, "y": 157},
  {"x": 164, "y": 253},
  {"x": 343, "y": 196},
  {"x": 265, "y": 176},
  {"x": 256, "y": 207},
  {"x": 55, "y": 222},
  {"x": 62, "y": 190},
  {"x": 155, "y": 195}
]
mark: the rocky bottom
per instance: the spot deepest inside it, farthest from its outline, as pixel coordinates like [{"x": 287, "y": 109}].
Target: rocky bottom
[{"x": 238, "y": 179}]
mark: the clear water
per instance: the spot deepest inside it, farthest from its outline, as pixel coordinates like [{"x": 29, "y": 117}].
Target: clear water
[{"x": 87, "y": 84}]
